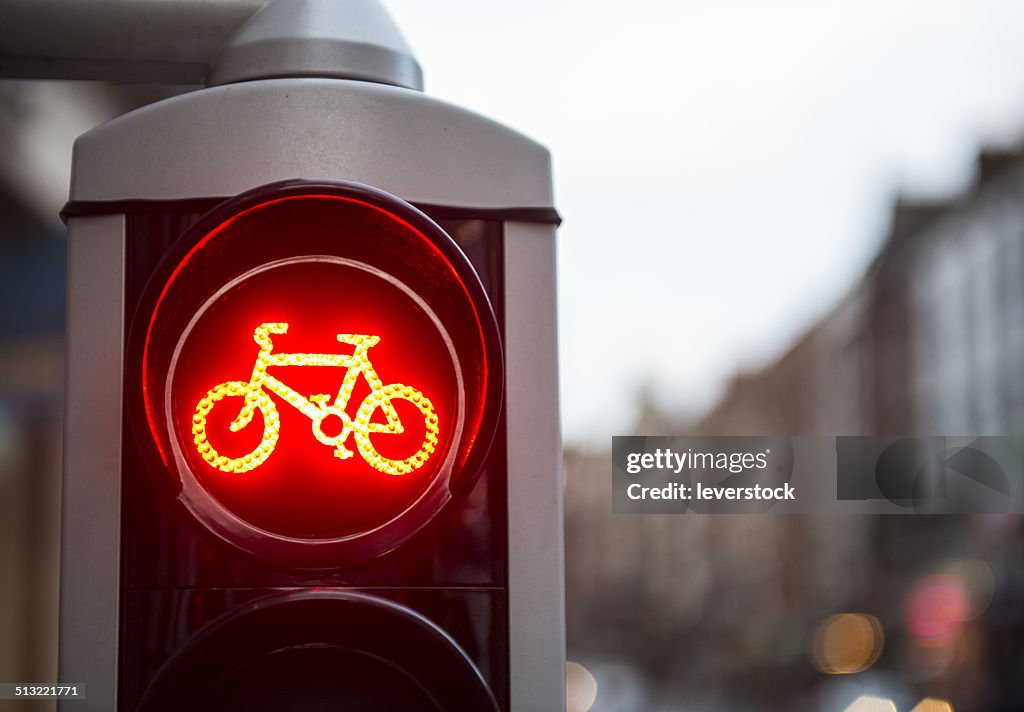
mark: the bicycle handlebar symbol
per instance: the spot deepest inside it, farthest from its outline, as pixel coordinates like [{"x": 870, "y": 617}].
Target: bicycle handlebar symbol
[{"x": 316, "y": 407}]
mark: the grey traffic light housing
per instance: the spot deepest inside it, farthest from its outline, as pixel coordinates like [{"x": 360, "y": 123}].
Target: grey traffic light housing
[{"x": 209, "y": 145}]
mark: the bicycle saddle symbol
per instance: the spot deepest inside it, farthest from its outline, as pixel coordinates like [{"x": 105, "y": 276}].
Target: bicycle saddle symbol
[{"x": 316, "y": 407}]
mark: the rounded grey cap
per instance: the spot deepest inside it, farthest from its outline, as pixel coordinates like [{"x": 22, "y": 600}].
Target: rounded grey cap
[{"x": 344, "y": 39}]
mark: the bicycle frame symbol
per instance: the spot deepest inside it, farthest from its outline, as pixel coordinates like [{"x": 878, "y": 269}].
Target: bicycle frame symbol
[{"x": 317, "y": 407}]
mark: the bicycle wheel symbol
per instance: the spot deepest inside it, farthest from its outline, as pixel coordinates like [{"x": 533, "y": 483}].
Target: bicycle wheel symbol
[
  {"x": 384, "y": 399},
  {"x": 271, "y": 428}
]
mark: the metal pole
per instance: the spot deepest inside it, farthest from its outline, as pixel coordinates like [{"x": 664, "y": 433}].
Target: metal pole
[{"x": 150, "y": 41}]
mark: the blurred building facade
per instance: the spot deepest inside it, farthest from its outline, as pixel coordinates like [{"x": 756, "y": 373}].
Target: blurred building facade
[
  {"x": 717, "y": 611},
  {"x": 931, "y": 341}
]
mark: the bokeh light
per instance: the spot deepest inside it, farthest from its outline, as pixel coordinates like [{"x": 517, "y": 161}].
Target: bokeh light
[
  {"x": 931, "y": 704},
  {"x": 580, "y": 688},
  {"x": 846, "y": 643},
  {"x": 869, "y": 703},
  {"x": 936, "y": 608}
]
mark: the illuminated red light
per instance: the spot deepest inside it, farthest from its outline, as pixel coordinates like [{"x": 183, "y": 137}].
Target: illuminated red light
[{"x": 318, "y": 372}]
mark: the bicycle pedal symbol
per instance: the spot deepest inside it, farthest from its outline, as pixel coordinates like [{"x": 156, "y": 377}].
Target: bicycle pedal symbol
[{"x": 316, "y": 407}]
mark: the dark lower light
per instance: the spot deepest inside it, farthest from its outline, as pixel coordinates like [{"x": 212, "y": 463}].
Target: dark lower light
[{"x": 320, "y": 650}]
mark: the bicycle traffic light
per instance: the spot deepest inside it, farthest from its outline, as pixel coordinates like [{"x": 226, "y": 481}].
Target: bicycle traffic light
[
  {"x": 304, "y": 296},
  {"x": 311, "y": 453}
]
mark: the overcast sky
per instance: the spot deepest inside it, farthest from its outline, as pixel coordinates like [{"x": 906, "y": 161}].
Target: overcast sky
[{"x": 724, "y": 167}]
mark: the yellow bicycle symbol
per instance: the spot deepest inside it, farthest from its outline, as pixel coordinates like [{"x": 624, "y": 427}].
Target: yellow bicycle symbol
[{"x": 316, "y": 407}]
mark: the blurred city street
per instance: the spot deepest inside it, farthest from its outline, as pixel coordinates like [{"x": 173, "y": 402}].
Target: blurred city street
[{"x": 784, "y": 218}]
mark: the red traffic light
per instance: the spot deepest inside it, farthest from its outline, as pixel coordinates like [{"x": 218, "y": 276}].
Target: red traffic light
[{"x": 319, "y": 372}]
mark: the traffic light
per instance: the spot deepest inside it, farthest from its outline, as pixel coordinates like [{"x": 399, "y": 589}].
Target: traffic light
[{"x": 311, "y": 451}]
